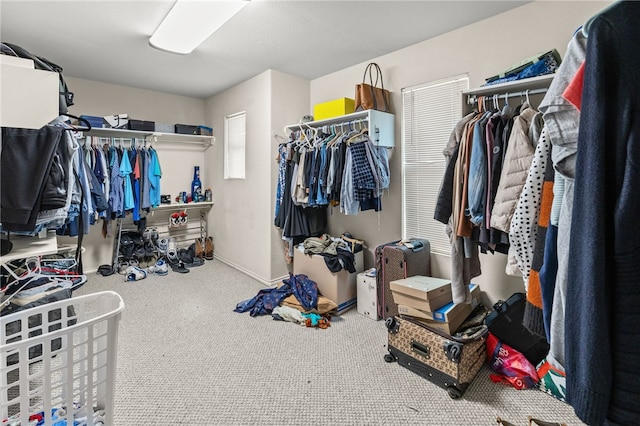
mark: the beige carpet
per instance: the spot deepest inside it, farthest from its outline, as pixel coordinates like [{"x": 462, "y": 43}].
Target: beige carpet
[{"x": 184, "y": 357}]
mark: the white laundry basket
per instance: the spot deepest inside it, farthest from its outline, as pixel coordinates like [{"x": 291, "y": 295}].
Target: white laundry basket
[{"x": 59, "y": 359}]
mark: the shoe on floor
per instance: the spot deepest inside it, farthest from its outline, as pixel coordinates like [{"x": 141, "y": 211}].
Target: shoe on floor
[
  {"x": 172, "y": 251},
  {"x": 208, "y": 248},
  {"x": 160, "y": 268},
  {"x": 179, "y": 267},
  {"x": 186, "y": 256},
  {"x": 133, "y": 273}
]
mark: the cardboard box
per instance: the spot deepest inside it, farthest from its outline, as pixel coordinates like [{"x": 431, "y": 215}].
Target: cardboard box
[
  {"x": 340, "y": 287},
  {"x": 367, "y": 294},
  {"x": 449, "y": 317},
  {"x": 430, "y": 293},
  {"x": 334, "y": 108},
  {"x": 413, "y": 312}
]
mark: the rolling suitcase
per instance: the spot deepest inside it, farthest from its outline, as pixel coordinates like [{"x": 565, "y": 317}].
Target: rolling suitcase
[
  {"x": 395, "y": 261},
  {"x": 449, "y": 362}
]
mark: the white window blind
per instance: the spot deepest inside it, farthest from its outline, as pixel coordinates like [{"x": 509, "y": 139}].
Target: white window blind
[
  {"x": 234, "y": 145},
  {"x": 429, "y": 114}
]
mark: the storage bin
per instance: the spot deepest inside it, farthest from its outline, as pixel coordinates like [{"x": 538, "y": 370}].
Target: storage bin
[
  {"x": 165, "y": 128},
  {"x": 146, "y": 126},
  {"x": 205, "y": 131},
  {"x": 334, "y": 108},
  {"x": 97, "y": 122},
  {"x": 186, "y": 129},
  {"x": 59, "y": 360}
]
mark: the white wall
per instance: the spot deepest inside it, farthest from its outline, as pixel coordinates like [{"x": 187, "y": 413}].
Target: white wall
[
  {"x": 479, "y": 50},
  {"x": 242, "y": 219},
  {"x": 289, "y": 99},
  {"x": 238, "y": 219},
  {"x": 177, "y": 161}
]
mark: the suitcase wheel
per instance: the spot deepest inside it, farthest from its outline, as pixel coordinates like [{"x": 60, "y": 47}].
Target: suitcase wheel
[
  {"x": 389, "y": 358},
  {"x": 392, "y": 324},
  {"x": 453, "y": 351},
  {"x": 454, "y": 392}
]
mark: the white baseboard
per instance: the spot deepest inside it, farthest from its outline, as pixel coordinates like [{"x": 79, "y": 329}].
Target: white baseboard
[{"x": 265, "y": 281}]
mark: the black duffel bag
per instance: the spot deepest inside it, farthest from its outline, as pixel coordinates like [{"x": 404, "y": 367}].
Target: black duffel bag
[{"x": 505, "y": 322}]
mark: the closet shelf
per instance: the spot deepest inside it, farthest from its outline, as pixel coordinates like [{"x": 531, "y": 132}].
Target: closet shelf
[
  {"x": 382, "y": 124},
  {"x": 184, "y": 206},
  {"x": 206, "y": 141},
  {"x": 533, "y": 83},
  {"x": 24, "y": 247}
]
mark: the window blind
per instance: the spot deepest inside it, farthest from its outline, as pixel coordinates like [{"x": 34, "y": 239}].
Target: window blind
[
  {"x": 429, "y": 114},
  {"x": 234, "y": 146}
]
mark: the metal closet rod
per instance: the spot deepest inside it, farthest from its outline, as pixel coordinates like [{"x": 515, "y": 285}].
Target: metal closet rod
[
  {"x": 472, "y": 99},
  {"x": 322, "y": 123},
  {"x": 149, "y": 139}
]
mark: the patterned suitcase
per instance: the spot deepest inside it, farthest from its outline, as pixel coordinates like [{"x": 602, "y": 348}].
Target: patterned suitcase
[
  {"x": 395, "y": 261},
  {"x": 447, "y": 361}
]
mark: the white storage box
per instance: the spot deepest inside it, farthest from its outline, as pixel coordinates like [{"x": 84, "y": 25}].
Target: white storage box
[
  {"x": 367, "y": 291},
  {"x": 30, "y": 97},
  {"x": 59, "y": 359}
]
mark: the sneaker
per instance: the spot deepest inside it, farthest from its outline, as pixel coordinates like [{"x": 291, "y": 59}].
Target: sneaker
[
  {"x": 150, "y": 235},
  {"x": 163, "y": 244},
  {"x": 172, "y": 250},
  {"x": 160, "y": 268},
  {"x": 133, "y": 273},
  {"x": 208, "y": 248}
]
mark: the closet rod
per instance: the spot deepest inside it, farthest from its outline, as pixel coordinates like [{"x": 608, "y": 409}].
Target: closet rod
[
  {"x": 473, "y": 99},
  {"x": 151, "y": 139},
  {"x": 321, "y": 123}
]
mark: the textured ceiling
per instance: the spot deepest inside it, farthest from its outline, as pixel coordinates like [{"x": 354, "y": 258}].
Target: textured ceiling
[{"x": 108, "y": 40}]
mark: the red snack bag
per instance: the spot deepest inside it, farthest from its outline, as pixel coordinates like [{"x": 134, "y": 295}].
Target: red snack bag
[{"x": 512, "y": 367}]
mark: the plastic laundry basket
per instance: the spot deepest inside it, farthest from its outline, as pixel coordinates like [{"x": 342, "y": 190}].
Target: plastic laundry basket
[{"x": 58, "y": 360}]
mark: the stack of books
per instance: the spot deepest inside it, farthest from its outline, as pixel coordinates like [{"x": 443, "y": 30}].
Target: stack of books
[{"x": 428, "y": 300}]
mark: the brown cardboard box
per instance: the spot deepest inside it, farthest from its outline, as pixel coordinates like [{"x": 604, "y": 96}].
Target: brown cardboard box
[
  {"x": 424, "y": 293},
  {"x": 449, "y": 317},
  {"x": 413, "y": 312},
  {"x": 339, "y": 287}
]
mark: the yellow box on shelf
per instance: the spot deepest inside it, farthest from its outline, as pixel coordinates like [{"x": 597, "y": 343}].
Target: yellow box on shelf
[{"x": 334, "y": 108}]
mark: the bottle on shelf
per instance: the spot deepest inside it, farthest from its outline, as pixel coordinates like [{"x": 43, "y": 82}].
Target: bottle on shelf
[{"x": 196, "y": 185}]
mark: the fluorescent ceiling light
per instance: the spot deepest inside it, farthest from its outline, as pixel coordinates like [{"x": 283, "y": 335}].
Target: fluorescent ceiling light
[{"x": 190, "y": 22}]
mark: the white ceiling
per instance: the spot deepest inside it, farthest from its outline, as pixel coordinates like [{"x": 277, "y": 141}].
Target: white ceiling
[{"x": 108, "y": 40}]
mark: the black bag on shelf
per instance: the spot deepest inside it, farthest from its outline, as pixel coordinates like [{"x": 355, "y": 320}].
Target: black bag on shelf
[{"x": 505, "y": 322}]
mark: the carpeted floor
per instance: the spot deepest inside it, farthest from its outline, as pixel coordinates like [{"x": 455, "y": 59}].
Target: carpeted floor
[{"x": 184, "y": 357}]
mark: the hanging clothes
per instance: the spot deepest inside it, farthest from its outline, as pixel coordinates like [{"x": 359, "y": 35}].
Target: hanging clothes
[
  {"x": 602, "y": 325},
  {"x": 325, "y": 167},
  {"x": 562, "y": 127}
]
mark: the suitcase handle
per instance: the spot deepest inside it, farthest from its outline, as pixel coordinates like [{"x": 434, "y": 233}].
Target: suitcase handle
[{"x": 420, "y": 349}]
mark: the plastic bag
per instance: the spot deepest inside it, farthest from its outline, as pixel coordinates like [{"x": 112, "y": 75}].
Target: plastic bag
[{"x": 510, "y": 365}]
